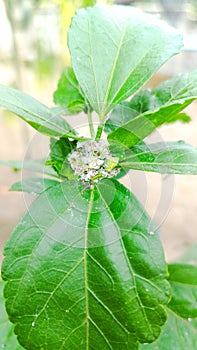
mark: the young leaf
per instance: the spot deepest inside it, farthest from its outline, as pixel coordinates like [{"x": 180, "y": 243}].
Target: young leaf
[
  {"x": 8, "y": 339},
  {"x": 167, "y": 158},
  {"x": 33, "y": 185},
  {"x": 115, "y": 50},
  {"x": 183, "y": 280},
  {"x": 68, "y": 93},
  {"x": 177, "y": 333},
  {"x": 165, "y": 103},
  {"x": 37, "y": 166},
  {"x": 85, "y": 271},
  {"x": 35, "y": 113},
  {"x": 60, "y": 149}
]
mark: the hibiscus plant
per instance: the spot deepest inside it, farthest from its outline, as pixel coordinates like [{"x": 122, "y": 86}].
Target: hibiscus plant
[{"x": 84, "y": 269}]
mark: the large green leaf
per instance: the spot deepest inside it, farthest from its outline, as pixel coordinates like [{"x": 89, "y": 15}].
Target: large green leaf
[
  {"x": 177, "y": 334},
  {"x": 167, "y": 158},
  {"x": 138, "y": 118},
  {"x": 180, "y": 331},
  {"x": 115, "y": 50},
  {"x": 35, "y": 113},
  {"x": 68, "y": 93},
  {"x": 85, "y": 270},
  {"x": 33, "y": 185},
  {"x": 8, "y": 339}
]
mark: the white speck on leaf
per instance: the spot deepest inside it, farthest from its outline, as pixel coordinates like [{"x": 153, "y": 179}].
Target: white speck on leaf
[{"x": 33, "y": 324}]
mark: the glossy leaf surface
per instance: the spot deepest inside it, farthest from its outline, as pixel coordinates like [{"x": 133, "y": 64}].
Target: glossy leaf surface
[
  {"x": 39, "y": 116},
  {"x": 115, "y": 50},
  {"x": 68, "y": 93},
  {"x": 85, "y": 272},
  {"x": 8, "y": 340},
  {"x": 33, "y": 185},
  {"x": 162, "y": 106},
  {"x": 167, "y": 158}
]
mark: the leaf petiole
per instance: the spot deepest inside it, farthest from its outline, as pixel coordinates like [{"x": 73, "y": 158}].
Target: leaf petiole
[
  {"x": 100, "y": 128},
  {"x": 91, "y": 126}
]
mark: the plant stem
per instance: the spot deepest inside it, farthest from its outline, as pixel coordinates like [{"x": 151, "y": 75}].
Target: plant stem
[
  {"x": 99, "y": 132},
  {"x": 91, "y": 126},
  {"x": 100, "y": 128}
]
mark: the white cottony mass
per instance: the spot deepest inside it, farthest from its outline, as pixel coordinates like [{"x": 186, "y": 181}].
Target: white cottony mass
[{"x": 92, "y": 161}]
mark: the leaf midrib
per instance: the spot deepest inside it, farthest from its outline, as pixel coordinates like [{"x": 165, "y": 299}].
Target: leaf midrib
[
  {"x": 91, "y": 60},
  {"x": 128, "y": 77},
  {"x": 190, "y": 83},
  {"x": 158, "y": 110},
  {"x": 86, "y": 289},
  {"x": 159, "y": 164},
  {"x": 38, "y": 116},
  {"x": 114, "y": 66}
]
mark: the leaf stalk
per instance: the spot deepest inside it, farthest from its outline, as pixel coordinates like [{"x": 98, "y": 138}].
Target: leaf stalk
[{"x": 91, "y": 126}]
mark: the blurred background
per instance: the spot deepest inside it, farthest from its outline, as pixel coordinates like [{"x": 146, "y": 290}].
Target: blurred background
[{"x": 33, "y": 53}]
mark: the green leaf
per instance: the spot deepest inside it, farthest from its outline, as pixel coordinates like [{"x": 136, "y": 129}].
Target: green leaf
[
  {"x": 60, "y": 149},
  {"x": 164, "y": 105},
  {"x": 183, "y": 280},
  {"x": 142, "y": 102},
  {"x": 37, "y": 166},
  {"x": 180, "y": 331},
  {"x": 183, "y": 117},
  {"x": 115, "y": 50},
  {"x": 167, "y": 158},
  {"x": 119, "y": 116},
  {"x": 177, "y": 334},
  {"x": 33, "y": 185},
  {"x": 35, "y": 113},
  {"x": 84, "y": 269},
  {"x": 68, "y": 93},
  {"x": 8, "y": 339}
]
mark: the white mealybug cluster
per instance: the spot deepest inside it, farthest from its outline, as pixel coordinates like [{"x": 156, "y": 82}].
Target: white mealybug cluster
[{"x": 92, "y": 161}]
